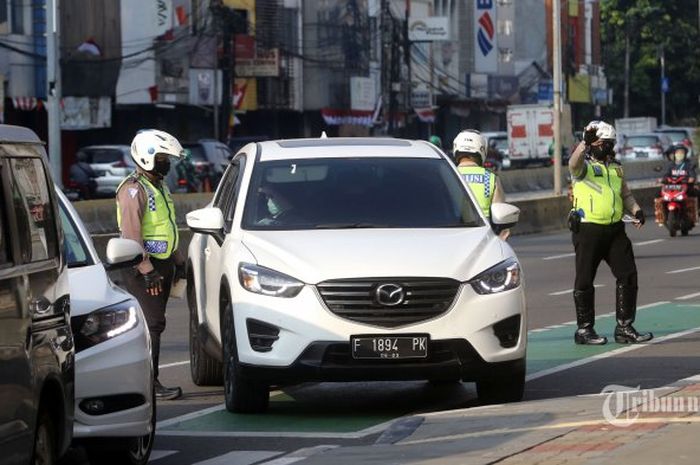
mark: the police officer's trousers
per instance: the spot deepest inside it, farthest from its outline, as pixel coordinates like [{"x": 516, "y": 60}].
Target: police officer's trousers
[
  {"x": 153, "y": 306},
  {"x": 594, "y": 243}
]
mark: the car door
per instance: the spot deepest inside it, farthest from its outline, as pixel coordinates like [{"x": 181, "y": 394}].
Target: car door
[
  {"x": 225, "y": 200},
  {"x": 17, "y": 409}
]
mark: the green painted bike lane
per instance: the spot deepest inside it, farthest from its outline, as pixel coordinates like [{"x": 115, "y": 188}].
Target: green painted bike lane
[{"x": 549, "y": 349}]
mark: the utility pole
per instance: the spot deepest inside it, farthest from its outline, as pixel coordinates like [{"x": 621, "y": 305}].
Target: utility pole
[
  {"x": 556, "y": 72},
  {"x": 53, "y": 91},
  {"x": 407, "y": 59},
  {"x": 627, "y": 73},
  {"x": 664, "y": 88}
]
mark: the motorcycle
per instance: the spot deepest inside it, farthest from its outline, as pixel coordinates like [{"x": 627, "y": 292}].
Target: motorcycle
[{"x": 675, "y": 208}]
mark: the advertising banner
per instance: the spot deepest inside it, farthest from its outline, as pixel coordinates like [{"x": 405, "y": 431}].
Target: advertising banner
[{"x": 485, "y": 40}]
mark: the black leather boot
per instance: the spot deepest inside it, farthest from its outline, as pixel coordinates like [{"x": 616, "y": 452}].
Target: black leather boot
[
  {"x": 162, "y": 392},
  {"x": 625, "y": 311},
  {"x": 585, "y": 318}
]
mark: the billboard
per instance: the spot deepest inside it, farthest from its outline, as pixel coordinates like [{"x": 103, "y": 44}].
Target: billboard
[
  {"x": 485, "y": 40},
  {"x": 428, "y": 29}
]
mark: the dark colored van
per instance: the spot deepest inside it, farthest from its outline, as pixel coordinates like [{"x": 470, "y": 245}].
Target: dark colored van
[{"x": 37, "y": 356}]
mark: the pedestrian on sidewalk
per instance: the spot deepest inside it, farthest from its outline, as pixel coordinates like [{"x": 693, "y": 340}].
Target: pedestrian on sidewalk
[
  {"x": 601, "y": 196},
  {"x": 146, "y": 214}
]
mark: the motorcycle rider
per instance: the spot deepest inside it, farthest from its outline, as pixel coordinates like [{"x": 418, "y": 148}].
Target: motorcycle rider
[
  {"x": 598, "y": 233},
  {"x": 680, "y": 166}
]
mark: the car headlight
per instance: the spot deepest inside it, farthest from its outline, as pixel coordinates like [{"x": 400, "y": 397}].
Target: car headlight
[
  {"x": 265, "y": 281},
  {"x": 499, "y": 278},
  {"x": 104, "y": 324}
]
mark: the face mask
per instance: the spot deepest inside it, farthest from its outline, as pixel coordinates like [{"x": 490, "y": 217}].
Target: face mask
[
  {"x": 603, "y": 151},
  {"x": 161, "y": 167},
  {"x": 679, "y": 157}
]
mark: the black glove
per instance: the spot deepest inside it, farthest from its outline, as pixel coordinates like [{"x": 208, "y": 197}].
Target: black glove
[
  {"x": 180, "y": 272},
  {"x": 154, "y": 283},
  {"x": 589, "y": 136},
  {"x": 640, "y": 216}
]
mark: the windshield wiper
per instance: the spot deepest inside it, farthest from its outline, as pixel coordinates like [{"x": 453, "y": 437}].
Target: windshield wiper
[{"x": 349, "y": 225}]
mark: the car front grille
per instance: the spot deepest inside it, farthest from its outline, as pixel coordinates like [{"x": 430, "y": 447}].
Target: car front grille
[{"x": 356, "y": 299}]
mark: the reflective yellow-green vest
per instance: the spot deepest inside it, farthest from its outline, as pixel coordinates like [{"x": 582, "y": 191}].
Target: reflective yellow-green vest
[
  {"x": 598, "y": 193},
  {"x": 158, "y": 224},
  {"x": 482, "y": 182}
]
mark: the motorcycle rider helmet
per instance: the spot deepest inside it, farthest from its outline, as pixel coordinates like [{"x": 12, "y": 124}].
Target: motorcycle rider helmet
[
  {"x": 151, "y": 142},
  {"x": 678, "y": 153},
  {"x": 469, "y": 143},
  {"x": 436, "y": 141}
]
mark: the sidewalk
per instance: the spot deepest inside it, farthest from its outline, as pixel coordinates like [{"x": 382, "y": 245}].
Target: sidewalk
[{"x": 652, "y": 427}]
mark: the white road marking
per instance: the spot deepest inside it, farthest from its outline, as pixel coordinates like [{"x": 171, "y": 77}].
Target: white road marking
[
  {"x": 569, "y": 291},
  {"x": 653, "y": 241},
  {"x": 683, "y": 270},
  {"x": 174, "y": 364},
  {"x": 188, "y": 416},
  {"x": 689, "y": 296},
  {"x": 636, "y": 244},
  {"x": 299, "y": 455},
  {"x": 556, "y": 257},
  {"x": 159, "y": 454},
  {"x": 240, "y": 457}
]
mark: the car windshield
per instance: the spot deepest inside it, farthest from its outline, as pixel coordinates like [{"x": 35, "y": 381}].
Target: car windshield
[
  {"x": 75, "y": 251},
  {"x": 676, "y": 136},
  {"x": 642, "y": 141},
  {"x": 196, "y": 152},
  {"x": 103, "y": 156},
  {"x": 357, "y": 193},
  {"x": 499, "y": 143}
]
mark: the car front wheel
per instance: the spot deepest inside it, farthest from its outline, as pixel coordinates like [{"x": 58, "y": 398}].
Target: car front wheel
[{"x": 240, "y": 395}]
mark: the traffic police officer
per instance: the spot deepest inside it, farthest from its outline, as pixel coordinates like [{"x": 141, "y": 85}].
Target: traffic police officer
[
  {"x": 146, "y": 214},
  {"x": 469, "y": 149},
  {"x": 598, "y": 233}
]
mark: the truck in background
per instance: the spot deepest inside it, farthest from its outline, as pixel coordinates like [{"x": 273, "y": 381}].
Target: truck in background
[
  {"x": 531, "y": 133},
  {"x": 637, "y": 125}
]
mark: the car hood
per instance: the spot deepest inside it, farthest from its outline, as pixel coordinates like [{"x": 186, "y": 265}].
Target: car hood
[
  {"x": 91, "y": 289},
  {"x": 315, "y": 256}
]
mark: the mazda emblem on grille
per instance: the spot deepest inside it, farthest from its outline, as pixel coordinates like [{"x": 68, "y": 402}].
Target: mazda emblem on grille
[{"x": 389, "y": 295}]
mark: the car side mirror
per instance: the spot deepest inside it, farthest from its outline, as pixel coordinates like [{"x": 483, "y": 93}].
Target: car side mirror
[
  {"x": 123, "y": 253},
  {"x": 209, "y": 221},
  {"x": 504, "y": 216}
]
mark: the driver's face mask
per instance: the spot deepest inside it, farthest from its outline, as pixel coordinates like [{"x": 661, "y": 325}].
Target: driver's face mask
[{"x": 272, "y": 206}]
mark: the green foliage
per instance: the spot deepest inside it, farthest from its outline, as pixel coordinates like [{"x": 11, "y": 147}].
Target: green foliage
[{"x": 652, "y": 24}]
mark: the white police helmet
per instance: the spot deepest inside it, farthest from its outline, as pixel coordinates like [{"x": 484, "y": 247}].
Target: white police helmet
[
  {"x": 604, "y": 131},
  {"x": 150, "y": 142},
  {"x": 470, "y": 141}
]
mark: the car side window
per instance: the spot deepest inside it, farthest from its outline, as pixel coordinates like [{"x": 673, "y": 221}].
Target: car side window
[
  {"x": 32, "y": 202},
  {"x": 223, "y": 192}
]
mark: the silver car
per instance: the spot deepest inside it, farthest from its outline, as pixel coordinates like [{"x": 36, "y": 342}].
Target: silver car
[
  {"x": 114, "y": 405},
  {"x": 111, "y": 164}
]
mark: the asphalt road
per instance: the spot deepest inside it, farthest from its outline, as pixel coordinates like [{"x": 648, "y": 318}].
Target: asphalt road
[{"x": 307, "y": 418}]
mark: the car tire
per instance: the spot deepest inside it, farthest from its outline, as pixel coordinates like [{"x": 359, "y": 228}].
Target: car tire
[
  {"x": 204, "y": 369},
  {"x": 44, "y": 441},
  {"x": 128, "y": 451},
  {"x": 240, "y": 395},
  {"x": 504, "y": 387}
]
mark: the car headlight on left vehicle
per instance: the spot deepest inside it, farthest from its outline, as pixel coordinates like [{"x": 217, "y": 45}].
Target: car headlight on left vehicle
[
  {"x": 499, "y": 278},
  {"x": 104, "y": 324}
]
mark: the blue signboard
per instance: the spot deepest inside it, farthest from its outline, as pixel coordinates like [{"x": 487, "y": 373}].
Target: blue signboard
[
  {"x": 545, "y": 91},
  {"x": 664, "y": 85}
]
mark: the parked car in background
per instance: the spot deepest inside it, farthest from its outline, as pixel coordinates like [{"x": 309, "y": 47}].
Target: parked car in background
[
  {"x": 298, "y": 271},
  {"x": 679, "y": 135},
  {"x": 646, "y": 146},
  {"x": 111, "y": 164},
  {"x": 496, "y": 150},
  {"x": 114, "y": 404},
  {"x": 36, "y": 344}
]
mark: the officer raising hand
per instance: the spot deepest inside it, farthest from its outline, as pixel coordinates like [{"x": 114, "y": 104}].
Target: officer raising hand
[{"x": 601, "y": 196}]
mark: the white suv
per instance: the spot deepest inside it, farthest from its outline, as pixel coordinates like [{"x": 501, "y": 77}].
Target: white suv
[{"x": 351, "y": 259}]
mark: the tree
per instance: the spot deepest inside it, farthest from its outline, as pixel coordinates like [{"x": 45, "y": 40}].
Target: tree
[{"x": 646, "y": 26}]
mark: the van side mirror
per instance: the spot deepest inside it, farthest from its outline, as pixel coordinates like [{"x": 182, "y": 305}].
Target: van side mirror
[
  {"x": 504, "y": 216},
  {"x": 123, "y": 253}
]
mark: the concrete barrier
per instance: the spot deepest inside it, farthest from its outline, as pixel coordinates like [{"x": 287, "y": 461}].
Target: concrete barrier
[{"x": 536, "y": 179}]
